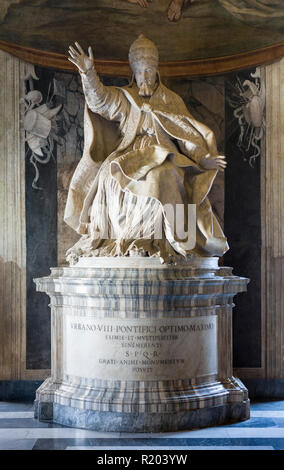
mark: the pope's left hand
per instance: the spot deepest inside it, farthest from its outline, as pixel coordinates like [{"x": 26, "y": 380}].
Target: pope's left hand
[{"x": 213, "y": 163}]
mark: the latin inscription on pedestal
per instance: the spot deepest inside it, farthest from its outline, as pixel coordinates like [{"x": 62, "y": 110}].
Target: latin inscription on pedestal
[{"x": 143, "y": 349}]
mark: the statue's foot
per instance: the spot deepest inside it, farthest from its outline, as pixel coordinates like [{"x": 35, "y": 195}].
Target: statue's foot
[
  {"x": 142, "y": 3},
  {"x": 175, "y": 10}
]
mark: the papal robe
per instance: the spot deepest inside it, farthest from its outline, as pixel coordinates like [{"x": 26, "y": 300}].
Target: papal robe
[{"x": 140, "y": 156}]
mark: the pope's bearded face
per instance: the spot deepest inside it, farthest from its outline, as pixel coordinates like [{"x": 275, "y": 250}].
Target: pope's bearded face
[{"x": 145, "y": 76}]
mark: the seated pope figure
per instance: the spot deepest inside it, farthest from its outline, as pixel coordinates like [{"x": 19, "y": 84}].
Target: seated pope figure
[{"x": 143, "y": 152}]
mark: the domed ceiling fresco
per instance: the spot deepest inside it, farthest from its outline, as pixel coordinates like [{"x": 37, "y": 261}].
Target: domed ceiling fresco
[{"x": 208, "y": 31}]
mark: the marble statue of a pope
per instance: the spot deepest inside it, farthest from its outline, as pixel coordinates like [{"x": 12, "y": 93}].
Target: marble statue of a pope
[{"x": 143, "y": 151}]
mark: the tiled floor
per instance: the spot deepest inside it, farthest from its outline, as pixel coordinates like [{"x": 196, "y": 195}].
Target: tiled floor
[{"x": 264, "y": 431}]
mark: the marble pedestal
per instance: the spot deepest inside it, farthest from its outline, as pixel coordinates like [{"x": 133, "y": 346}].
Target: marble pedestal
[{"x": 141, "y": 347}]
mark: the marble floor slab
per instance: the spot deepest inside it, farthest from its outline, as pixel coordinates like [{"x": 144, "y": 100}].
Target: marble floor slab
[
  {"x": 17, "y": 444},
  {"x": 154, "y": 444},
  {"x": 15, "y": 406},
  {"x": 16, "y": 415},
  {"x": 267, "y": 414},
  {"x": 268, "y": 405}
]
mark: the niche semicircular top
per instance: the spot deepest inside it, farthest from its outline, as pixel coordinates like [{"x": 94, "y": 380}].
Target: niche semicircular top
[{"x": 205, "y": 32}]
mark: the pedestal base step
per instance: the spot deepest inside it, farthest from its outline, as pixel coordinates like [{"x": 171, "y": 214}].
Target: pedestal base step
[
  {"x": 222, "y": 402},
  {"x": 142, "y": 422}
]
